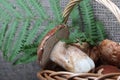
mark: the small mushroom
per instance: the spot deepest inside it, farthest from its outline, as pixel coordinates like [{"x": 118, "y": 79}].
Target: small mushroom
[
  {"x": 110, "y": 52},
  {"x": 48, "y": 42},
  {"x": 71, "y": 58}
]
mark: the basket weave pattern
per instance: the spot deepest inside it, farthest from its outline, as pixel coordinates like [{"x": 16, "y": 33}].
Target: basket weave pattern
[{"x": 63, "y": 75}]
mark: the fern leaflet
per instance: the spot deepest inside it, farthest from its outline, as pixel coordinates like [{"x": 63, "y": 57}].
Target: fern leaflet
[
  {"x": 89, "y": 21},
  {"x": 25, "y": 59},
  {"x": 20, "y": 40},
  {"x": 55, "y": 5},
  {"x": 3, "y": 32},
  {"x": 9, "y": 8},
  {"x": 75, "y": 17},
  {"x": 23, "y": 5},
  {"x": 45, "y": 31},
  {"x": 7, "y": 43},
  {"x": 100, "y": 31},
  {"x": 40, "y": 9},
  {"x": 33, "y": 32},
  {"x": 4, "y": 16},
  {"x": 28, "y": 54}
]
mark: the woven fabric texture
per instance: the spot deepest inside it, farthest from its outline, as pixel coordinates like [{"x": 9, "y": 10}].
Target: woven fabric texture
[
  {"x": 112, "y": 26},
  {"x": 29, "y": 71}
]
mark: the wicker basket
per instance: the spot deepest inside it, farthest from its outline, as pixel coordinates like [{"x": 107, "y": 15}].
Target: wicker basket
[{"x": 57, "y": 73}]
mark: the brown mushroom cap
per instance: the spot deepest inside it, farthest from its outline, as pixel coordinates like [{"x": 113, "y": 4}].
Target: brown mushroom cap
[
  {"x": 48, "y": 42},
  {"x": 105, "y": 69},
  {"x": 110, "y": 52}
]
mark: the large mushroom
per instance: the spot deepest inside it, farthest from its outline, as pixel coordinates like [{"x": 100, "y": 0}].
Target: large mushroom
[
  {"x": 48, "y": 42},
  {"x": 69, "y": 57}
]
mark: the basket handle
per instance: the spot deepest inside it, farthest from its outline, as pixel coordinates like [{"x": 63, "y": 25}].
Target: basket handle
[{"x": 107, "y": 3}]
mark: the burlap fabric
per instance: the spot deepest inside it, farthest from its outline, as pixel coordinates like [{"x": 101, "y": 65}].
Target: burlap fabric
[{"x": 112, "y": 28}]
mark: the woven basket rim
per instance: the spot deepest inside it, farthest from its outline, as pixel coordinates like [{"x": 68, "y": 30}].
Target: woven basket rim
[{"x": 64, "y": 75}]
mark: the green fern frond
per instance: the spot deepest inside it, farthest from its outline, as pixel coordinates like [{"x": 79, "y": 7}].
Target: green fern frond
[
  {"x": 9, "y": 8},
  {"x": 100, "y": 31},
  {"x": 19, "y": 41},
  {"x": 3, "y": 32},
  {"x": 33, "y": 32},
  {"x": 55, "y": 6},
  {"x": 25, "y": 7},
  {"x": 28, "y": 47},
  {"x": 83, "y": 15},
  {"x": 89, "y": 21},
  {"x": 39, "y": 8},
  {"x": 15, "y": 30},
  {"x": 75, "y": 17},
  {"x": 10, "y": 33},
  {"x": 4, "y": 17},
  {"x": 76, "y": 37},
  {"x": 25, "y": 59},
  {"x": 89, "y": 30},
  {"x": 28, "y": 54},
  {"x": 45, "y": 31}
]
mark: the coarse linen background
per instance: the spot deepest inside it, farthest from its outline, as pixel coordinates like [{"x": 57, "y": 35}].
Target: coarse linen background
[{"x": 29, "y": 71}]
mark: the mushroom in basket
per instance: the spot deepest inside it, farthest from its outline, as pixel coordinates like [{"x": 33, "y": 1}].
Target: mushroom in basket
[
  {"x": 48, "y": 42},
  {"x": 105, "y": 69},
  {"x": 69, "y": 57},
  {"x": 110, "y": 52}
]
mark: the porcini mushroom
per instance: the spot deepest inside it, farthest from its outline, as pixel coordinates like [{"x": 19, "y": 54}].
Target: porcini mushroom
[
  {"x": 92, "y": 52},
  {"x": 48, "y": 42},
  {"x": 71, "y": 58},
  {"x": 110, "y": 52}
]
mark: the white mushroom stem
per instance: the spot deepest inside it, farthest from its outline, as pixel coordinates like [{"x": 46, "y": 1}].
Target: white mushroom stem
[{"x": 71, "y": 58}]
